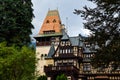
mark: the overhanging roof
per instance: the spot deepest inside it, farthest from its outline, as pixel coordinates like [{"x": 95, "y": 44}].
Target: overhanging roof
[{"x": 47, "y": 35}]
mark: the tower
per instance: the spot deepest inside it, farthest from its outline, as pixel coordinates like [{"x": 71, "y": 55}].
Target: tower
[
  {"x": 67, "y": 59},
  {"x": 49, "y": 34}
]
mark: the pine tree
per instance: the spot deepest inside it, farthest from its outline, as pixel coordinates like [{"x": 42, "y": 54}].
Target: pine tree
[
  {"x": 104, "y": 23},
  {"x": 15, "y": 21},
  {"x": 17, "y": 62}
]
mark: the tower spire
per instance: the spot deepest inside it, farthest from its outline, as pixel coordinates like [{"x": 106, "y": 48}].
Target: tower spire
[{"x": 52, "y": 23}]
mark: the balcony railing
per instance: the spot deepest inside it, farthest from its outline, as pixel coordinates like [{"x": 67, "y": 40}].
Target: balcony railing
[
  {"x": 86, "y": 59},
  {"x": 57, "y": 69},
  {"x": 68, "y": 55},
  {"x": 100, "y": 72},
  {"x": 43, "y": 43}
]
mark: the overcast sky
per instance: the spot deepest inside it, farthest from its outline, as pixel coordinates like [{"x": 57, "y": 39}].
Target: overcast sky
[{"x": 73, "y": 22}]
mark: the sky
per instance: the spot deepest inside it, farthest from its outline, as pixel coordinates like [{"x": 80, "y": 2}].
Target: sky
[{"x": 73, "y": 22}]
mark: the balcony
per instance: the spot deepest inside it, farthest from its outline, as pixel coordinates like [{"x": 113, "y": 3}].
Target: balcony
[
  {"x": 86, "y": 59},
  {"x": 52, "y": 70},
  {"x": 68, "y": 56},
  {"x": 43, "y": 43}
]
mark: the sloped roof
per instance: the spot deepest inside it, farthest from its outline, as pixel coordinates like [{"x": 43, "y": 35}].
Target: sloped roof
[
  {"x": 81, "y": 43},
  {"x": 74, "y": 41},
  {"x": 80, "y": 37},
  {"x": 51, "y": 51},
  {"x": 47, "y": 35},
  {"x": 65, "y": 35},
  {"x": 52, "y": 22},
  {"x": 77, "y": 41}
]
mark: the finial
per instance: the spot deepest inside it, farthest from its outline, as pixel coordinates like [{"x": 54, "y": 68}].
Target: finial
[{"x": 67, "y": 24}]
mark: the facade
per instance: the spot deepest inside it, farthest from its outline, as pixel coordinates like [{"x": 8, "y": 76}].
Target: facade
[
  {"x": 67, "y": 55},
  {"x": 50, "y": 33}
]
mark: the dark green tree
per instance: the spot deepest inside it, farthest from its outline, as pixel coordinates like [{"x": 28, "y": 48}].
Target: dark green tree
[
  {"x": 16, "y": 63},
  {"x": 104, "y": 23},
  {"x": 42, "y": 77},
  {"x": 15, "y": 21},
  {"x": 61, "y": 77}
]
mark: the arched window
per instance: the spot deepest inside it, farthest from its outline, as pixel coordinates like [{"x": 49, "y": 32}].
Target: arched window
[
  {"x": 47, "y": 21},
  {"x": 41, "y": 55},
  {"x": 54, "y": 21},
  {"x": 45, "y": 55}
]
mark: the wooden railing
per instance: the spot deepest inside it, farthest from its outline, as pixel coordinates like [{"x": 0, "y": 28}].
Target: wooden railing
[
  {"x": 61, "y": 68},
  {"x": 100, "y": 72},
  {"x": 68, "y": 55},
  {"x": 43, "y": 43}
]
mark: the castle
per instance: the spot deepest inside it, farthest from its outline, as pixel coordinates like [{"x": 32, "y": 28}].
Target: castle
[{"x": 58, "y": 53}]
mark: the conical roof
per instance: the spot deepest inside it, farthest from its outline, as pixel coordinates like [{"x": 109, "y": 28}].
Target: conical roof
[
  {"x": 65, "y": 35},
  {"x": 51, "y": 23},
  {"x": 51, "y": 51}
]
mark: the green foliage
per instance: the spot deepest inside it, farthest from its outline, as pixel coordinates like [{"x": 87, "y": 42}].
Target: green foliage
[
  {"x": 104, "y": 23},
  {"x": 61, "y": 77},
  {"x": 16, "y": 63},
  {"x": 42, "y": 77},
  {"x": 15, "y": 21}
]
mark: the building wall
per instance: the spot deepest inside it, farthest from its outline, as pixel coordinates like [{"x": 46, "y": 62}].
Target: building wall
[
  {"x": 49, "y": 62},
  {"x": 41, "y": 54}
]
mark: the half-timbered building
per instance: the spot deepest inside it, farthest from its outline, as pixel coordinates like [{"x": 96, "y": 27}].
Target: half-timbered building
[{"x": 58, "y": 53}]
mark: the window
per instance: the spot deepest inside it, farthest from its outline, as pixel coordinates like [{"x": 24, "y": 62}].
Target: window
[
  {"x": 63, "y": 43},
  {"x": 66, "y": 51},
  {"x": 65, "y": 61},
  {"x": 47, "y": 21},
  {"x": 49, "y": 32},
  {"x": 75, "y": 63},
  {"x": 69, "y": 51},
  {"x": 63, "y": 51},
  {"x": 60, "y": 51},
  {"x": 42, "y": 57},
  {"x": 54, "y": 21},
  {"x": 87, "y": 55},
  {"x": 68, "y": 43},
  {"x": 53, "y": 39},
  {"x": 75, "y": 49},
  {"x": 71, "y": 61},
  {"x": 45, "y": 55},
  {"x": 86, "y": 67}
]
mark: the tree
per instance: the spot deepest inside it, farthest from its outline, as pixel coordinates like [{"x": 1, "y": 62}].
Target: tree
[
  {"x": 104, "y": 23},
  {"x": 15, "y": 21},
  {"x": 61, "y": 77},
  {"x": 42, "y": 77},
  {"x": 16, "y": 63}
]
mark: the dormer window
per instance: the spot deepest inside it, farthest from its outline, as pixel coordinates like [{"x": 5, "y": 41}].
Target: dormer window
[
  {"x": 54, "y": 21},
  {"x": 47, "y": 21}
]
